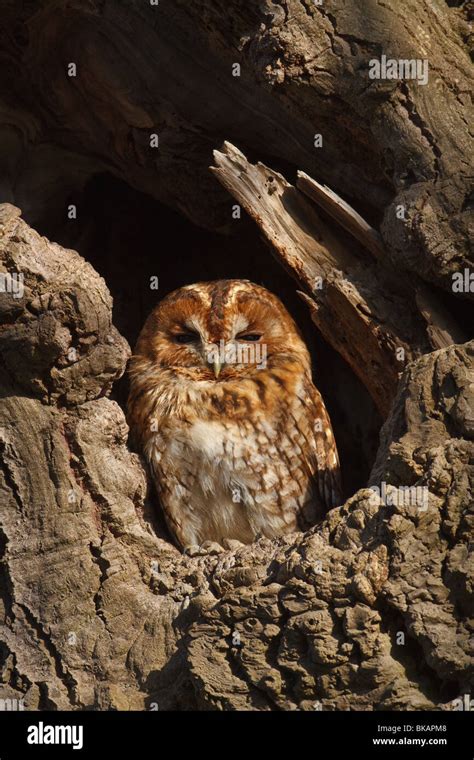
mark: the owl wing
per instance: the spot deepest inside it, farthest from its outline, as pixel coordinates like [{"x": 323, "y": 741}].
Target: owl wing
[
  {"x": 296, "y": 470},
  {"x": 321, "y": 457}
]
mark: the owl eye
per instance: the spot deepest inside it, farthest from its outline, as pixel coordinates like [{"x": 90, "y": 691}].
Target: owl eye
[
  {"x": 249, "y": 336},
  {"x": 186, "y": 337}
]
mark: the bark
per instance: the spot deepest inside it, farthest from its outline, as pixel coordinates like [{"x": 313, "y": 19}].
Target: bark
[
  {"x": 372, "y": 609},
  {"x": 369, "y": 610},
  {"x": 304, "y": 71}
]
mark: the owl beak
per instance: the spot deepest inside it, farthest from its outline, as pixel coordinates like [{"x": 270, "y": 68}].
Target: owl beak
[{"x": 217, "y": 368}]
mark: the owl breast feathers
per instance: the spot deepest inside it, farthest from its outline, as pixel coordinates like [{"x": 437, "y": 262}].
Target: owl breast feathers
[{"x": 224, "y": 409}]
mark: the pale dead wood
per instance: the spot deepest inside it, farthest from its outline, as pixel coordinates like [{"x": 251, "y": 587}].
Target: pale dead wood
[
  {"x": 442, "y": 329},
  {"x": 342, "y": 212}
]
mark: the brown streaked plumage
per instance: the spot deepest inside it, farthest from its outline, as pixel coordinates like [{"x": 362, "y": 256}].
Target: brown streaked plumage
[{"x": 237, "y": 449}]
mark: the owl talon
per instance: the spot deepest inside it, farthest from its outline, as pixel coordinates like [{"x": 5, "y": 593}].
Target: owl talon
[
  {"x": 192, "y": 550},
  {"x": 207, "y": 547},
  {"x": 231, "y": 544},
  {"x": 211, "y": 547}
]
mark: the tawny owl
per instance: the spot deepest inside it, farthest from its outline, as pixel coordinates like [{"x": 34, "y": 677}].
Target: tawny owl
[{"x": 223, "y": 407}]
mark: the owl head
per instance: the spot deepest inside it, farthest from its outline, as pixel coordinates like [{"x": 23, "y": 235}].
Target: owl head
[{"x": 217, "y": 331}]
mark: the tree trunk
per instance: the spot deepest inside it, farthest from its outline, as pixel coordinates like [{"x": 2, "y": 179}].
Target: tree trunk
[{"x": 372, "y": 608}]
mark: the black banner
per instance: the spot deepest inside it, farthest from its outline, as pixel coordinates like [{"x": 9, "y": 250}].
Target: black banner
[{"x": 97, "y": 734}]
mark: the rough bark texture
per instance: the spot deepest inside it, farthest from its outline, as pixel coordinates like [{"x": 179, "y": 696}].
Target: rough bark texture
[
  {"x": 100, "y": 612},
  {"x": 304, "y": 71},
  {"x": 372, "y": 609}
]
